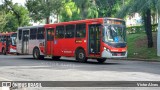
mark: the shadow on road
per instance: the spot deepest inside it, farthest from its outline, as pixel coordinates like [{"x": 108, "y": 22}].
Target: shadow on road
[{"x": 90, "y": 61}]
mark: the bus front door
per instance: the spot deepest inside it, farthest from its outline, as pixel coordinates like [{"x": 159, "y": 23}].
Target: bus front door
[
  {"x": 25, "y": 42},
  {"x": 49, "y": 41},
  {"x": 94, "y": 39}
]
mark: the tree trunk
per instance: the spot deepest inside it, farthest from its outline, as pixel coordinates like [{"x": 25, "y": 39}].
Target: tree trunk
[
  {"x": 57, "y": 18},
  {"x": 148, "y": 27},
  {"x": 47, "y": 20}
]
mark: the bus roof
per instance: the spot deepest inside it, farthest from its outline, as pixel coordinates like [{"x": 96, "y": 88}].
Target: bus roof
[
  {"x": 30, "y": 27},
  {"x": 84, "y": 21},
  {"x": 72, "y": 22}
]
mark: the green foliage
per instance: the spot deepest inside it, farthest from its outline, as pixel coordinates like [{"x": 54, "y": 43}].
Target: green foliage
[
  {"x": 88, "y": 8},
  {"x": 139, "y": 6},
  {"x": 155, "y": 27},
  {"x": 12, "y": 23},
  {"x": 135, "y": 29},
  {"x": 140, "y": 29},
  {"x": 23, "y": 14},
  {"x": 3, "y": 20},
  {"x": 40, "y": 9},
  {"x": 108, "y": 8},
  {"x": 70, "y": 12},
  {"x": 15, "y": 16},
  {"x": 145, "y": 8}
]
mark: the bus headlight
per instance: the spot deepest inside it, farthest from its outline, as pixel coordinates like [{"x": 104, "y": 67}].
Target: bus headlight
[{"x": 106, "y": 49}]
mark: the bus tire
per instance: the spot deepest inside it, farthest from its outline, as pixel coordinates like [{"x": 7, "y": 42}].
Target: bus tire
[
  {"x": 56, "y": 57},
  {"x": 41, "y": 57},
  {"x": 81, "y": 56},
  {"x": 3, "y": 51},
  {"x": 36, "y": 54},
  {"x": 101, "y": 60}
]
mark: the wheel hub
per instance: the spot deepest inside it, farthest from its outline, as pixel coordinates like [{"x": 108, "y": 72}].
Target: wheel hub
[{"x": 81, "y": 55}]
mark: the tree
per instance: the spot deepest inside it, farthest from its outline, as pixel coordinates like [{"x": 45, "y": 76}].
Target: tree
[
  {"x": 144, "y": 7},
  {"x": 106, "y": 7},
  {"x": 40, "y": 9},
  {"x": 109, "y": 8},
  {"x": 15, "y": 14},
  {"x": 88, "y": 8},
  {"x": 3, "y": 21},
  {"x": 70, "y": 11},
  {"x": 19, "y": 11}
]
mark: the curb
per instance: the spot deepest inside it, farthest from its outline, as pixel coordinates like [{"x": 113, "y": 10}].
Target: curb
[{"x": 139, "y": 59}]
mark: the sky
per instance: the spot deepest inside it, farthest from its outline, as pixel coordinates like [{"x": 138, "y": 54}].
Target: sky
[{"x": 21, "y": 2}]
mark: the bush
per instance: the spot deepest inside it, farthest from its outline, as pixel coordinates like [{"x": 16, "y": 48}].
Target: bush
[{"x": 140, "y": 29}]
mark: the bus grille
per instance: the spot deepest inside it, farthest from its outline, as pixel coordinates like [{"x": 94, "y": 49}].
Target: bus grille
[{"x": 118, "y": 53}]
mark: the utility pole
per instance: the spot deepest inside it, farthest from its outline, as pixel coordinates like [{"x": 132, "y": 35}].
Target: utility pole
[{"x": 158, "y": 36}]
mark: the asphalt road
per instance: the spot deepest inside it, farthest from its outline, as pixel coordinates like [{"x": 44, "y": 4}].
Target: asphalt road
[{"x": 25, "y": 68}]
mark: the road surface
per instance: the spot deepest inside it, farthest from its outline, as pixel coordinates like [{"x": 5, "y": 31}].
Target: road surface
[{"x": 25, "y": 68}]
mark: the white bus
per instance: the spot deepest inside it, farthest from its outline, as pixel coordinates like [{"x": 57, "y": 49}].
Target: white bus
[{"x": 30, "y": 39}]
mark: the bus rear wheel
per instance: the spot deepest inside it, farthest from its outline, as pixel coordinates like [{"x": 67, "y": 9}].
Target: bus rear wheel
[
  {"x": 3, "y": 51},
  {"x": 101, "y": 60},
  {"x": 36, "y": 54},
  {"x": 81, "y": 56}
]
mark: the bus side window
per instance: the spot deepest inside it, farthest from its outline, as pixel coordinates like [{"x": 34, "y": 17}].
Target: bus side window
[
  {"x": 60, "y": 32},
  {"x": 4, "y": 39},
  {"x": 40, "y": 34},
  {"x": 81, "y": 30},
  {"x": 70, "y": 31},
  {"x": 20, "y": 34},
  {"x": 33, "y": 32}
]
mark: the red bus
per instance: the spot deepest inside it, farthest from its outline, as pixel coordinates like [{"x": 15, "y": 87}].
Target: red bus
[
  {"x": 99, "y": 39},
  {"x": 8, "y": 42}
]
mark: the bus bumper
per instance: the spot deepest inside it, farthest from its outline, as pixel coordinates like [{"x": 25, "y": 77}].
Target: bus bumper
[
  {"x": 108, "y": 54},
  {"x": 13, "y": 50}
]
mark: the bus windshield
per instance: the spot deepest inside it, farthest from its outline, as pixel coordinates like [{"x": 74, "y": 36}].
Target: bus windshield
[
  {"x": 13, "y": 39},
  {"x": 114, "y": 33}
]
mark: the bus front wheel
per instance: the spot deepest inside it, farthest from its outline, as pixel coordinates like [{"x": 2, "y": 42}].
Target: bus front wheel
[
  {"x": 36, "y": 54},
  {"x": 81, "y": 56},
  {"x": 101, "y": 60}
]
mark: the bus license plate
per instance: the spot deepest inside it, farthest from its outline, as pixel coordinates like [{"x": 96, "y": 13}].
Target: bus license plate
[{"x": 119, "y": 54}]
